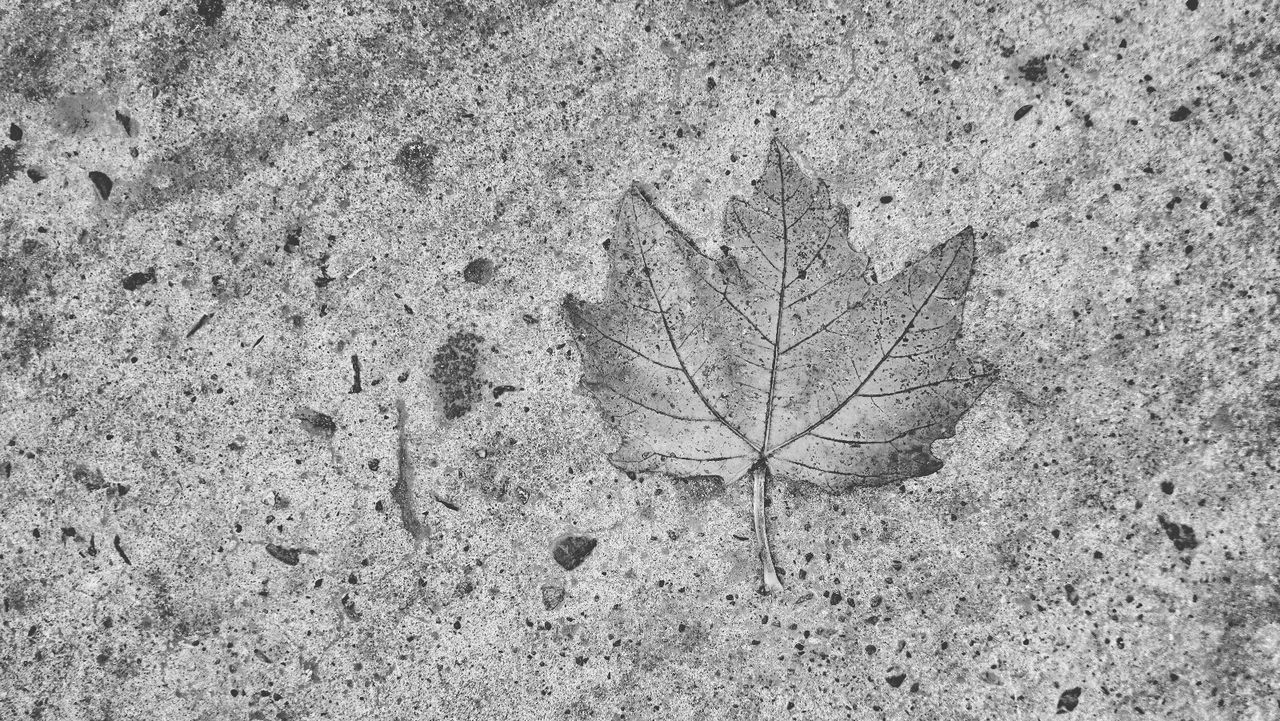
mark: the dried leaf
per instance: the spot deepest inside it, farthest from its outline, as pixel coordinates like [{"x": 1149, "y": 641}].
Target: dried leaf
[{"x": 776, "y": 355}]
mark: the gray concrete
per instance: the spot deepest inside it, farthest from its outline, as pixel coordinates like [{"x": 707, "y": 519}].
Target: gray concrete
[{"x": 315, "y": 178}]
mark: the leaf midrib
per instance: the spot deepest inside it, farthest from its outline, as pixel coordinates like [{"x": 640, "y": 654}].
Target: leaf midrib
[{"x": 782, "y": 297}]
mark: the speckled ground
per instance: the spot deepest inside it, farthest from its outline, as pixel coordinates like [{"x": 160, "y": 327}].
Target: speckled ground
[{"x": 237, "y": 236}]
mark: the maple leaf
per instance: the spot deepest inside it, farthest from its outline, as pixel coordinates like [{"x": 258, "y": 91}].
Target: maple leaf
[{"x": 778, "y": 355}]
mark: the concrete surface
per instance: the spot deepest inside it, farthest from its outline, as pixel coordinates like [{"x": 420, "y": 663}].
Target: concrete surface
[{"x": 201, "y": 520}]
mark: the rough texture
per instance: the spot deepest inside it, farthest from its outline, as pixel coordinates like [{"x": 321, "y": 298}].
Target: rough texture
[{"x": 312, "y": 179}]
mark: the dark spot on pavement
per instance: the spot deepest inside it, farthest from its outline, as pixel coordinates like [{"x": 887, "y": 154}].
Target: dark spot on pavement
[
  {"x": 355, "y": 373},
  {"x": 1182, "y": 535},
  {"x": 478, "y": 271},
  {"x": 1072, "y": 596},
  {"x": 1021, "y": 112},
  {"x": 1182, "y": 113},
  {"x": 93, "y": 481},
  {"x": 126, "y": 122},
  {"x": 417, "y": 160},
  {"x": 402, "y": 493},
  {"x": 102, "y": 182},
  {"x": 210, "y": 11},
  {"x": 287, "y": 556},
  {"x": 134, "y": 281},
  {"x": 115, "y": 542},
  {"x": 324, "y": 279},
  {"x": 15, "y": 132},
  {"x": 24, "y": 273},
  {"x": 28, "y": 338},
  {"x": 552, "y": 597},
  {"x": 895, "y": 680},
  {"x": 199, "y": 324},
  {"x": 1068, "y": 700},
  {"x": 317, "y": 423},
  {"x": 9, "y": 164},
  {"x": 1035, "y": 70},
  {"x": 571, "y": 551},
  {"x": 455, "y": 369},
  {"x": 349, "y": 607},
  {"x": 464, "y": 588}
]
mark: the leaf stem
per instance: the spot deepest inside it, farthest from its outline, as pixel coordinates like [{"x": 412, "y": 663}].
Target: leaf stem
[{"x": 759, "y": 475}]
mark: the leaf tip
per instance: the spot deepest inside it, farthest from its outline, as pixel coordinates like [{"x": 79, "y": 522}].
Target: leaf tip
[
  {"x": 637, "y": 193},
  {"x": 931, "y": 465},
  {"x": 779, "y": 149},
  {"x": 570, "y": 303},
  {"x": 959, "y": 247}
]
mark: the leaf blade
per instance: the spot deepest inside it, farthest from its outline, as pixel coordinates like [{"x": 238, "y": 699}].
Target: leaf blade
[
  {"x": 914, "y": 320},
  {"x": 779, "y": 356}
]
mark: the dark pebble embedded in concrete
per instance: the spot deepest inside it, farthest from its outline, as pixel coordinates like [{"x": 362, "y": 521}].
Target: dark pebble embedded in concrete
[
  {"x": 571, "y": 551},
  {"x": 1182, "y": 535},
  {"x": 102, "y": 182},
  {"x": 1068, "y": 700},
  {"x": 134, "y": 281},
  {"x": 287, "y": 556}
]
